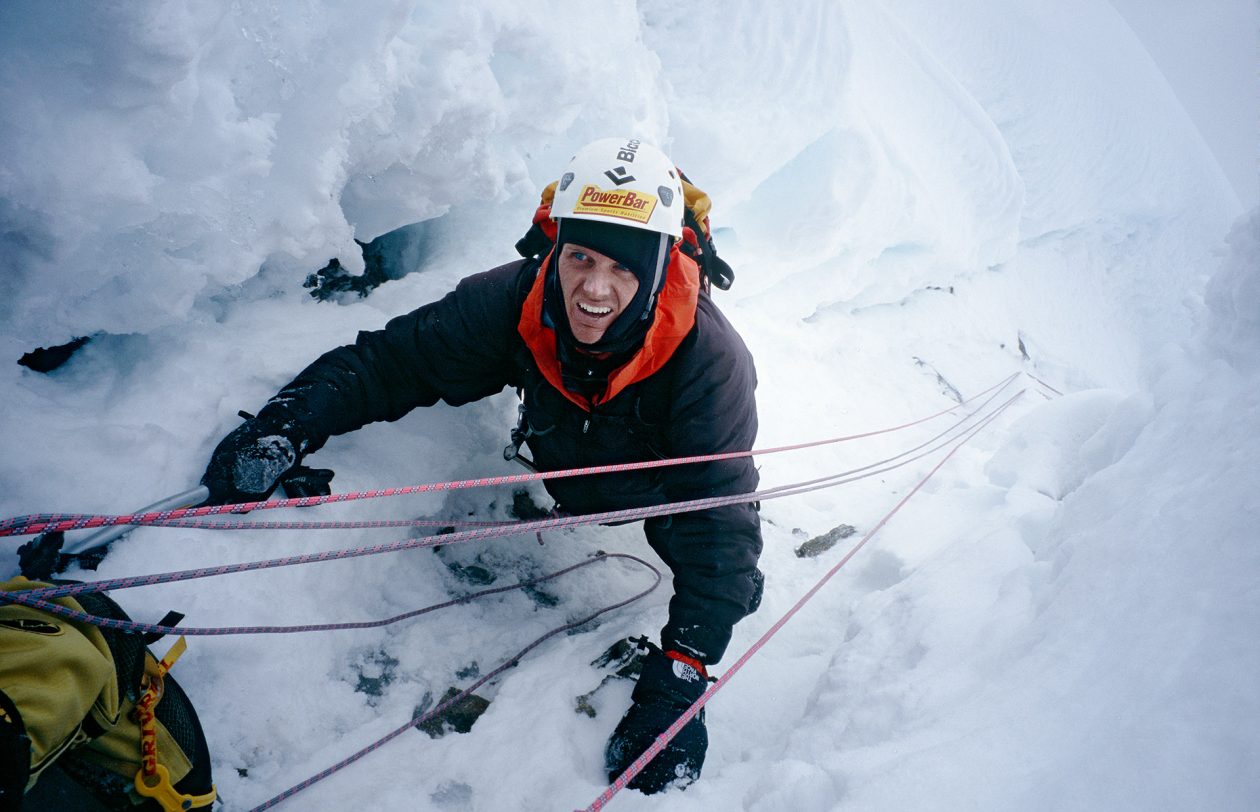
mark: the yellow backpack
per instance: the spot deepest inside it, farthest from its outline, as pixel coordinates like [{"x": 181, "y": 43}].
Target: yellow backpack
[{"x": 97, "y": 703}]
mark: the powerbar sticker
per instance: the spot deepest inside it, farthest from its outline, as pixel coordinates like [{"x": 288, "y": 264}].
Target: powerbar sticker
[{"x": 622, "y": 203}]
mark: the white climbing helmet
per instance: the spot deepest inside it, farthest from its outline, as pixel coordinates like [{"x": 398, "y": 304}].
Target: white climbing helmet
[{"x": 622, "y": 181}]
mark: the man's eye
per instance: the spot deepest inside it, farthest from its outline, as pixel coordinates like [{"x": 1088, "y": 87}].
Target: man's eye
[
  {"x": 580, "y": 256},
  {"x": 623, "y": 269}
]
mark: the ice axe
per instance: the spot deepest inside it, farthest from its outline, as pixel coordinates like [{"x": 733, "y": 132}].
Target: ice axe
[{"x": 49, "y": 553}]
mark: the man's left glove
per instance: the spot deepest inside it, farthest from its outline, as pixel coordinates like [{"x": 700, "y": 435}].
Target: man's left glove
[{"x": 249, "y": 462}]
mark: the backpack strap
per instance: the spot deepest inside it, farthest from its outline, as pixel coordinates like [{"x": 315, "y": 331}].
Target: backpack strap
[
  {"x": 713, "y": 269},
  {"x": 541, "y": 237}
]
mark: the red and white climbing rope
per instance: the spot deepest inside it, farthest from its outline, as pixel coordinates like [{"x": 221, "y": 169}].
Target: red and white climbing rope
[
  {"x": 952, "y": 438},
  {"x": 666, "y": 737},
  {"x": 477, "y": 534},
  {"x": 63, "y": 522}
]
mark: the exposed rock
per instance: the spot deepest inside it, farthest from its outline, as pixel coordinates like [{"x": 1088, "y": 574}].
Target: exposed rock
[
  {"x": 459, "y": 717},
  {"x": 375, "y": 673},
  {"x": 625, "y": 657},
  {"x": 46, "y": 359},
  {"x": 821, "y": 544}
]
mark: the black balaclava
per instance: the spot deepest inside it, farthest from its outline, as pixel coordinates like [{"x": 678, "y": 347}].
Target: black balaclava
[{"x": 585, "y": 367}]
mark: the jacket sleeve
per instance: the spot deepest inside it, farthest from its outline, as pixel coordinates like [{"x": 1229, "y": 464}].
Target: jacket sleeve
[
  {"x": 713, "y": 553},
  {"x": 457, "y": 349}
]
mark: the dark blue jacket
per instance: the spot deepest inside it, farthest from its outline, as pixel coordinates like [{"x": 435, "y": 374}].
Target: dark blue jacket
[{"x": 466, "y": 346}]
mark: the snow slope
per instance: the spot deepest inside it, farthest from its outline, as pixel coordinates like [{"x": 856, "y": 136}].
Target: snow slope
[
  {"x": 918, "y": 200},
  {"x": 1209, "y": 52}
]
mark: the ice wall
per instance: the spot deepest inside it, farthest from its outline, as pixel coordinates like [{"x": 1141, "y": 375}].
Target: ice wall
[{"x": 157, "y": 152}]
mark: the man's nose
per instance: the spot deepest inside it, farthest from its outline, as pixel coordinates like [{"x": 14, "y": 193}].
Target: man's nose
[{"x": 597, "y": 283}]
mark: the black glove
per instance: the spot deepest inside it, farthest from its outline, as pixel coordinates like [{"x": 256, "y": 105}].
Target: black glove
[
  {"x": 249, "y": 462},
  {"x": 302, "y": 481},
  {"x": 665, "y": 689}
]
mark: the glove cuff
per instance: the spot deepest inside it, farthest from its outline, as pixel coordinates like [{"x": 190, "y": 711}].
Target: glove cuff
[
  {"x": 670, "y": 681},
  {"x": 687, "y": 659}
]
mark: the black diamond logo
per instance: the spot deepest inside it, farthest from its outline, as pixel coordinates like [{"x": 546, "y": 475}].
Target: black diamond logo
[{"x": 619, "y": 176}]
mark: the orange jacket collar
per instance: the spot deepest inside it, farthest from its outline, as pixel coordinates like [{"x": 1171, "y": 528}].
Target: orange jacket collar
[{"x": 675, "y": 316}]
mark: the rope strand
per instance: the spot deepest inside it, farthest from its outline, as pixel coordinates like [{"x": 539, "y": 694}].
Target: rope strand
[
  {"x": 477, "y": 534},
  {"x": 951, "y": 438},
  {"x": 442, "y": 707},
  {"x": 50, "y": 522},
  {"x": 130, "y": 626},
  {"x": 666, "y": 737}
]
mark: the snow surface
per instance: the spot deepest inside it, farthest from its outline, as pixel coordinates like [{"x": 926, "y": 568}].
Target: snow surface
[{"x": 919, "y": 199}]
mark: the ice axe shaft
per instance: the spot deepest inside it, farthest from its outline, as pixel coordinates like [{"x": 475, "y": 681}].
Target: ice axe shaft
[
  {"x": 49, "y": 553},
  {"x": 299, "y": 481},
  {"x": 106, "y": 535}
]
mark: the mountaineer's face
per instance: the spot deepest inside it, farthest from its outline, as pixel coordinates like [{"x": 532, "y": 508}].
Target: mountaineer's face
[{"x": 596, "y": 290}]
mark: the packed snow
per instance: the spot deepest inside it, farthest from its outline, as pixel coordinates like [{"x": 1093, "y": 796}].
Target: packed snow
[{"x": 919, "y": 200}]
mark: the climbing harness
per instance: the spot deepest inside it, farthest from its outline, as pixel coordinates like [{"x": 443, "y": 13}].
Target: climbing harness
[{"x": 522, "y": 432}]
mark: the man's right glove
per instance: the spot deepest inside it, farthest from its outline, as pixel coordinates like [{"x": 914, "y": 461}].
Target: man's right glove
[
  {"x": 248, "y": 463},
  {"x": 666, "y": 687}
]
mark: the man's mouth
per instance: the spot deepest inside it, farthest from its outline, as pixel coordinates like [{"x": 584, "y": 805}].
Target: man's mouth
[{"x": 592, "y": 310}]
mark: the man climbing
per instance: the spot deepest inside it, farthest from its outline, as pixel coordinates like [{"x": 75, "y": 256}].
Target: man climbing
[{"x": 619, "y": 355}]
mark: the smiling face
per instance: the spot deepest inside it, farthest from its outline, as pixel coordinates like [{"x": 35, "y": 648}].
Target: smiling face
[{"x": 596, "y": 288}]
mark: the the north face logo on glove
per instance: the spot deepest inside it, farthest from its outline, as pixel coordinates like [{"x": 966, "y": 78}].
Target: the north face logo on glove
[
  {"x": 687, "y": 669},
  {"x": 686, "y": 672}
]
